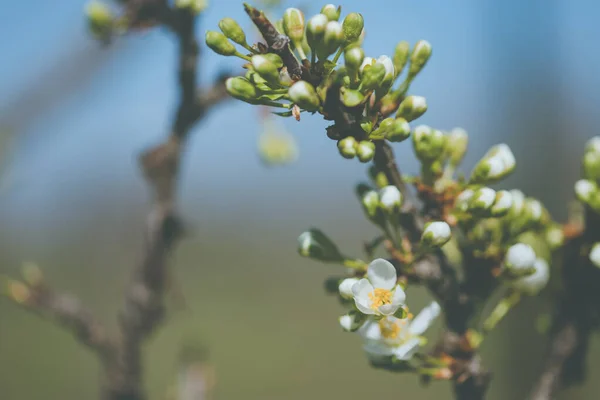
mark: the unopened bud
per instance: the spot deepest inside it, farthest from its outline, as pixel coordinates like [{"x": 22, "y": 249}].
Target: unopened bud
[
  {"x": 331, "y": 12},
  {"x": 398, "y": 131},
  {"x": 519, "y": 258},
  {"x": 390, "y": 74},
  {"x": 378, "y": 177},
  {"x": 353, "y": 58},
  {"x": 351, "y": 97},
  {"x": 347, "y": 147},
  {"x": 401, "y": 56},
  {"x": 555, "y": 237},
  {"x": 497, "y": 164},
  {"x": 532, "y": 284},
  {"x": 315, "y": 244},
  {"x": 352, "y": 321},
  {"x": 383, "y": 129},
  {"x": 457, "y": 146},
  {"x": 265, "y": 68},
  {"x": 482, "y": 201},
  {"x": 412, "y": 107},
  {"x": 345, "y": 288},
  {"x": 333, "y": 39},
  {"x": 293, "y": 25},
  {"x": 274, "y": 58},
  {"x": 372, "y": 76},
  {"x": 429, "y": 144},
  {"x": 219, "y": 43},
  {"x": 390, "y": 199},
  {"x": 365, "y": 150},
  {"x": 304, "y": 95},
  {"x": 463, "y": 199},
  {"x": 32, "y": 274},
  {"x": 196, "y": 6},
  {"x": 595, "y": 255},
  {"x": 419, "y": 57},
  {"x": 352, "y": 27},
  {"x": 241, "y": 89},
  {"x": 586, "y": 191},
  {"x": 315, "y": 31},
  {"x": 233, "y": 30},
  {"x": 502, "y": 204},
  {"x": 436, "y": 234},
  {"x": 100, "y": 18}
]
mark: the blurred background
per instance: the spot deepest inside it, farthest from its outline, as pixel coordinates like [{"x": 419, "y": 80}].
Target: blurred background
[{"x": 74, "y": 116}]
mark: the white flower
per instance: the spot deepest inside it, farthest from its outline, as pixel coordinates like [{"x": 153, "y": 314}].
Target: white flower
[
  {"x": 389, "y": 67},
  {"x": 345, "y": 287},
  {"x": 390, "y": 198},
  {"x": 520, "y": 257},
  {"x": 595, "y": 255},
  {"x": 436, "y": 233},
  {"x": 379, "y": 293},
  {"x": 532, "y": 284},
  {"x": 503, "y": 203},
  {"x": 352, "y": 321},
  {"x": 400, "y": 338}
]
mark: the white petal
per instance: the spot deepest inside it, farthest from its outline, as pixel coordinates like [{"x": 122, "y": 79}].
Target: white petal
[
  {"x": 374, "y": 348},
  {"x": 382, "y": 274},
  {"x": 345, "y": 287},
  {"x": 370, "y": 330},
  {"x": 408, "y": 349},
  {"x": 362, "y": 288},
  {"x": 388, "y": 309},
  {"x": 424, "y": 319},
  {"x": 399, "y": 298},
  {"x": 364, "y": 306}
]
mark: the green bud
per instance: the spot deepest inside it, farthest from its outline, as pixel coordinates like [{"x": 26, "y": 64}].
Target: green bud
[
  {"x": 482, "y": 201},
  {"x": 412, "y": 107},
  {"x": 233, "y": 30},
  {"x": 554, "y": 237},
  {"x": 457, "y": 146},
  {"x": 497, "y": 164},
  {"x": 369, "y": 199},
  {"x": 304, "y": 95},
  {"x": 293, "y": 25},
  {"x": 347, "y": 147},
  {"x": 331, "y": 12},
  {"x": 429, "y": 144},
  {"x": 352, "y": 321},
  {"x": 316, "y": 245},
  {"x": 384, "y": 128},
  {"x": 218, "y": 43},
  {"x": 587, "y": 192},
  {"x": 378, "y": 177},
  {"x": 100, "y": 19},
  {"x": 372, "y": 76},
  {"x": 399, "y": 131},
  {"x": 333, "y": 39},
  {"x": 242, "y": 89},
  {"x": 419, "y": 57},
  {"x": 463, "y": 199},
  {"x": 365, "y": 151},
  {"x": 197, "y": 6},
  {"x": 436, "y": 234},
  {"x": 390, "y": 199},
  {"x": 353, "y": 26},
  {"x": 315, "y": 31},
  {"x": 390, "y": 74},
  {"x": 274, "y": 58},
  {"x": 502, "y": 204},
  {"x": 350, "y": 97},
  {"x": 401, "y": 56},
  {"x": 265, "y": 68},
  {"x": 353, "y": 58}
]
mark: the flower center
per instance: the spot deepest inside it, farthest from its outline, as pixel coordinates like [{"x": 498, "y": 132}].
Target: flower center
[
  {"x": 390, "y": 329},
  {"x": 380, "y": 297}
]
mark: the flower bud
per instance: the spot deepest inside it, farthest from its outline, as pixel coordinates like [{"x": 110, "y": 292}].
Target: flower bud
[
  {"x": 293, "y": 25},
  {"x": 315, "y": 244},
  {"x": 345, "y": 288},
  {"x": 436, "y": 234},
  {"x": 502, "y": 204},
  {"x": 352, "y": 27},
  {"x": 595, "y": 255},
  {"x": 331, "y": 12},
  {"x": 32, "y": 274},
  {"x": 365, "y": 151},
  {"x": 390, "y": 199},
  {"x": 519, "y": 258},
  {"x": 383, "y": 129},
  {"x": 347, "y": 147},
  {"x": 483, "y": 199},
  {"x": 315, "y": 31},
  {"x": 197, "y": 6},
  {"x": 378, "y": 177},
  {"x": 586, "y": 191},
  {"x": 390, "y": 74},
  {"x": 241, "y": 89},
  {"x": 369, "y": 199},
  {"x": 401, "y": 56},
  {"x": 429, "y": 144},
  {"x": 100, "y": 19},
  {"x": 233, "y": 30},
  {"x": 372, "y": 76},
  {"x": 412, "y": 107},
  {"x": 218, "y": 43},
  {"x": 591, "y": 165},
  {"x": 274, "y": 58},
  {"x": 265, "y": 68},
  {"x": 398, "y": 131},
  {"x": 332, "y": 40},
  {"x": 368, "y": 62},
  {"x": 534, "y": 210},
  {"x": 463, "y": 199},
  {"x": 518, "y": 200},
  {"x": 554, "y": 237},
  {"x": 532, "y": 284},
  {"x": 352, "y": 321},
  {"x": 350, "y": 97},
  {"x": 353, "y": 58},
  {"x": 457, "y": 146},
  {"x": 497, "y": 164},
  {"x": 419, "y": 57},
  {"x": 304, "y": 95}
]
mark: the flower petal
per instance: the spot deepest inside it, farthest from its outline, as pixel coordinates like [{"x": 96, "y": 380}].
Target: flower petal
[
  {"x": 361, "y": 289},
  {"x": 370, "y": 330},
  {"x": 388, "y": 309},
  {"x": 374, "y": 348},
  {"x": 382, "y": 274},
  {"x": 364, "y": 306},
  {"x": 399, "y": 298},
  {"x": 408, "y": 349},
  {"x": 424, "y": 319}
]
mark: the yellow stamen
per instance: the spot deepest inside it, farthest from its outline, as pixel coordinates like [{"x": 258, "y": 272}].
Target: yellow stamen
[{"x": 380, "y": 297}]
